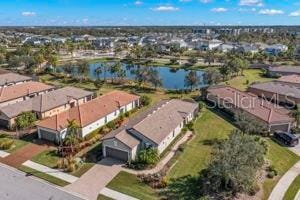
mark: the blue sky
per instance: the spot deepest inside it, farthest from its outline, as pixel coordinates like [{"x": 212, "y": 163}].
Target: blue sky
[{"x": 149, "y": 12}]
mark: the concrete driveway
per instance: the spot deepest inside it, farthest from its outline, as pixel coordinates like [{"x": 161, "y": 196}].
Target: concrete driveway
[{"x": 92, "y": 182}]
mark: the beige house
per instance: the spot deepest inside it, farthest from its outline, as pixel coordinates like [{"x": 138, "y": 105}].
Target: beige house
[
  {"x": 156, "y": 128},
  {"x": 45, "y": 105}
]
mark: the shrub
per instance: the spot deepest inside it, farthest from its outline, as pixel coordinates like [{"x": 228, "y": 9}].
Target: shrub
[
  {"x": 271, "y": 174},
  {"x": 111, "y": 125},
  {"x": 190, "y": 126},
  {"x": 92, "y": 134},
  {"x": 148, "y": 156},
  {"x": 68, "y": 164},
  {"x": 145, "y": 100},
  {"x": 6, "y": 144},
  {"x": 201, "y": 105}
]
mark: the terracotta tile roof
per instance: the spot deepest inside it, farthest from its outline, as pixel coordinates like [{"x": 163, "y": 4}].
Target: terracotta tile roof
[
  {"x": 264, "y": 110},
  {"x": 21, "y": 90},
  {"x": 91, "y": 111},
  {"x": 45, "y": 102},
  {"x": 7, "y": 78},
  {"x": 290, "y": 79}
]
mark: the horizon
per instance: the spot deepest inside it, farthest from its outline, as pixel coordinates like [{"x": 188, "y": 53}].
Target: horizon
[{"x": 150, "y": 13}]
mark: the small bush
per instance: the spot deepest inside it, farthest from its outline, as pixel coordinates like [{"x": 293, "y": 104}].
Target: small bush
[
  {"x": 111, "y": 125},
  {"x": 145, "y": 100},
  {"x": 6, "y": 144},
  {"x": 190, "y": 126},
  {"x": 271, "y": 174},
  {"x": 92, "y": 135}
]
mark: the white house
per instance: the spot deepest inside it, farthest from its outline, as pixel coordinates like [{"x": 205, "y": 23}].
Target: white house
[
  {"x": 155, "y": 128},
  {"x": 276, "y": 49},
  {"x": 88, "y": 116}
]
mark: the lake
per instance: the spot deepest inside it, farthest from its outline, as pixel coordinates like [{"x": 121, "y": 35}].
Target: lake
[{"x": 171, "y": 78}]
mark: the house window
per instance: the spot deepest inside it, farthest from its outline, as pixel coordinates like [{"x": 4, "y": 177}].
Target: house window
[{"x": 115, "y": 143}]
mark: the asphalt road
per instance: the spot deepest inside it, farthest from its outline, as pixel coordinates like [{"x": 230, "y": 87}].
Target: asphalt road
[{"x": 16, "y": 185}]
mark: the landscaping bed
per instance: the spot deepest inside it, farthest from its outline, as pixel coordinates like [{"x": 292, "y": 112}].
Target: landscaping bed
[{"x": 16, "y": 143}]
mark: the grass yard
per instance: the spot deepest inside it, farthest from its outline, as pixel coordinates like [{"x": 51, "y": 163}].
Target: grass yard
[
  {"x": 252, "y": 75},
  {"x": 293, "y": 189},
  {"x": 17, "y": 143},
  {"x": 130, "y": 185},
  {"x": 283, "y": 159},
  {"x": 196, "y": 155},
  {"x": 41, "y": 175},
  {"x": 102, "y": 197}
]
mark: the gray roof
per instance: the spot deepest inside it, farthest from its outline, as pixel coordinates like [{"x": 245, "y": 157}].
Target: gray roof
[
  {"x": 156, "y": 123},
  {"x": 7, "y": 78},
  {"x": 45, "y": 101},
  {"x": 289, "y": 69},
  {"x": 286, "y": 89}
]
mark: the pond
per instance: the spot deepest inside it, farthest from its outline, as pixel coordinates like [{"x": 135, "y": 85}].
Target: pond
[{"x": 171, "y": 78}]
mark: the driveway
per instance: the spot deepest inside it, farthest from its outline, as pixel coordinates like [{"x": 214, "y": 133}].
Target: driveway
[
  {"x": 295, "y": 149},
  {"x": 92, "y": 182},
  {"x": 16, "y": 185}
]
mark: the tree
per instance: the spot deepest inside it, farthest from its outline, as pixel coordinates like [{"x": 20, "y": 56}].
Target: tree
[
  {"x": 233, "y": 167},
  {"x": 68, "y": 68},
  {"x": 192, "y": 60},
  {"x": 225, "y": 71},
  {"x": 148, "y": 156},
  {"x": 98, "y": 72},
  {"x": 212, "y": 76},
  {"x": 296, "y": 115},
  {"x": 145, "y": 100},
  {"x": 98, "y": 83},
  {"x": 39, "y": 59},
  {"x": 53, "y": 61},
  {"x": 83, "y": 69},
  {"x": 72, "y": 135},
  {"x": 191, "y": 79},
  {"x": 154, "y": 78},
  {"x": 115, "y": 68},
  {"x": 248, "y": 124},
  {"x": 25, "y": 120}
]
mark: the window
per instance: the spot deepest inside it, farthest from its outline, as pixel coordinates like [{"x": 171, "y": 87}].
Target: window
[{"x": 115, "y": 143}]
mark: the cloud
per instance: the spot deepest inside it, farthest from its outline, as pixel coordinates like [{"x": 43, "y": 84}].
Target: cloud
[
  {"x": 165, "y": 8},
  {"x": 184, "y": 1},
  {"x": 258, "y": 3},
  {"x": 219, "y": 10},
  {"x": 271, "y": 12},
  {"x": 137, "y": 3},
  {"x": 295, "y": 14},
  {"x": 28, "y": 14},
  {"x": 205, "y": 1}
]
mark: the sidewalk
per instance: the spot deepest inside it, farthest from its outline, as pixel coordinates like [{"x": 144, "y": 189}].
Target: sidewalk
[
  {"x": 284, "y": 183},
  {"x": 115, "y": 195},
  {"x": 52, "y": 172},
  {"x": 165, "y": 160},
  {"x": 3, "y": 154}
]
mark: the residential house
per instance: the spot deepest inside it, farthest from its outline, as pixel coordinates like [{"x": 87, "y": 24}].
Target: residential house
[
  {"x": 156, "y": 128},
  {"x": 8, "y": 79},
  {"x": 284, "y": 70},
  {"x": 88, "y": 116},
  {"x": 21, "y": 92},
  {"x": 276, "y": 49},
  {"x": 45, "y": 105},
  {"x": 295, "y": 79},
  {"x": 234, "y": 101}
]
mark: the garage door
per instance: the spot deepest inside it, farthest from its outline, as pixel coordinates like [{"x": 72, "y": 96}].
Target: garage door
[
  {"x": 283, "y": 127},
  {"x": 115, "y": 153},
  {"x": 48, "y": 136},
  {"x": 4, "y": 123}
]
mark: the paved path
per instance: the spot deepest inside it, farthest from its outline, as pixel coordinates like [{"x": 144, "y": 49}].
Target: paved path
[
  {"x": 284, "y": 183},
  {"x": 3, "y": 154},
  {"x": 52, "y": 172},
  {"x": 15, "y": 185},
  {"x": 165, "y": 160},
  {"x": 93, "y": 181},
  {"x": 17, "y": 158},
  {"x": 115, "y": 195}
]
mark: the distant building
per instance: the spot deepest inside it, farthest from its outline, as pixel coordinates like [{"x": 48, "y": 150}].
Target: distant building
[{"x": 276, "y": 49}]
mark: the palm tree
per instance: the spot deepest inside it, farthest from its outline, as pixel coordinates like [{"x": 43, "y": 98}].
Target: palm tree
[
  {"x": 83, "y": 69},
  {"x": 98, "y": 72},
  {"x": 72, "y": 135},
  {"x": 296, "y": 115},
  {"x": 191, "y": 79}
]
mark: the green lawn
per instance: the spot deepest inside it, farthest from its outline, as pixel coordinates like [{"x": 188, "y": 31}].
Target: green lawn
[
  {"x": 197, "y": 152},
  {"x": 129, "y": 184},
  {"x": 102, "y": 197},
  {"x": 41, "y": 175},
  {"x": 293, "y": 189},
  {"x": 252, "y": 75},
  {"x": 283, "y": 159},
  {"x": 17, "y": 143},
  {"x": 49, "y": 158}
]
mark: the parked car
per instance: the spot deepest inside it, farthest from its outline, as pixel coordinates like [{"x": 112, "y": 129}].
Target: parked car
[{"x": 286, "y": 138}]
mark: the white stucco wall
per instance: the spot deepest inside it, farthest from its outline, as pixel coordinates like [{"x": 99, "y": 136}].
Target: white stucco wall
[{"x": 171, "y": 136}]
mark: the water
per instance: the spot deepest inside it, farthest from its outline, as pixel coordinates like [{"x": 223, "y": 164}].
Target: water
[{"x": 171, "y": 79}]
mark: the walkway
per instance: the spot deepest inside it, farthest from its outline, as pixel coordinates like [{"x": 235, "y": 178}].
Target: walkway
[
  {"x": 165, "y": 160},
  {"x": 52, "y": 172},
  {"x": 17, "y": 158},
  {"x": 3, "y": 154},
  {"x": 284, "y": 183},
  {"x": 93, "y": 181},
  {"x": 115, "y": 195}
]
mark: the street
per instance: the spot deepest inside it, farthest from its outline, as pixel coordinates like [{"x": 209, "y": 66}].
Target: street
[{"x": 16, "y": 185}]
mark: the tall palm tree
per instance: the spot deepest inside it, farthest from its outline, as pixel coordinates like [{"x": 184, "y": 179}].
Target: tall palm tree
[
  {"x": 98, "y": 72},
  {"x": 72, "y": 135}
]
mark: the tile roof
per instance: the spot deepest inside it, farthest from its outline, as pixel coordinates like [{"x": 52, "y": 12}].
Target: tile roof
[
  {"x": 7, "y": 78},
  {"x": 288, "y": 69},
  {"x": 91, "y": 111},
  {"x": 264, "y": 110},
  {"x": 286, "y": 89},
  {"x": 290, "y": 79},
  {"x": 158, "y": 122},
  {"x": 45, "y": 102},
  {"x": 21, "y": 90}
]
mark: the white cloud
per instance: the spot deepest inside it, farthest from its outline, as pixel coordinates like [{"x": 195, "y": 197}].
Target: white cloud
[
  {"x": 258, "y": 3},
  {"x": 295, "y": 14},
  {"x": 271, "y": 12},
  {"x": 205, "y": 1},
  {"x": 184, "y": 1},
  {"x": 137, "y": 3},
  {"x": 219, "y": 10},
  {"x": 165, "y": 8},
  {"x": 28, "y": 14}
]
